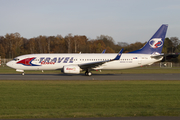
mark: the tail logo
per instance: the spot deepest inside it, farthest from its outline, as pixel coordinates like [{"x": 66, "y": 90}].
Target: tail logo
[{"x": 156, "y": 42}]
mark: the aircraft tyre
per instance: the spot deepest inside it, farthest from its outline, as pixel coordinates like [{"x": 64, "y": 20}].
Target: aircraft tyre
[{"x": 88, "y": 73}]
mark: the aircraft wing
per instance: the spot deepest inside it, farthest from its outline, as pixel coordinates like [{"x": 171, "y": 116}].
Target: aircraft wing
[{"x": 96, "y": 64}]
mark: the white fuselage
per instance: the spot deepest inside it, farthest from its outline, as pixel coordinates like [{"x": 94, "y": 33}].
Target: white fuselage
[{"x": 57, "y": 61}]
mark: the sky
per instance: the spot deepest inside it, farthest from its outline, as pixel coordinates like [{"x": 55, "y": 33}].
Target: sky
[{"x": 124, "y": 20}]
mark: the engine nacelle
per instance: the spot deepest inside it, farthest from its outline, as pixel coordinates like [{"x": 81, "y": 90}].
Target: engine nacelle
[{"x": 71, "y": 69}]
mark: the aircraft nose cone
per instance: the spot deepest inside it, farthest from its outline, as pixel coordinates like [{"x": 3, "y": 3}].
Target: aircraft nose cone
[{"x": 9, "y": 64}]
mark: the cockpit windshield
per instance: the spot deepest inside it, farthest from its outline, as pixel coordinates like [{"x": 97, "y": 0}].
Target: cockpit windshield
[{"x": 15, "y": 59}]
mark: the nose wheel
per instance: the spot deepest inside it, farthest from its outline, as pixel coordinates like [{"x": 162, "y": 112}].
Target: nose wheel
[
  {"x": 88, "y": 73},
  {"x": 22, "y": 73}
]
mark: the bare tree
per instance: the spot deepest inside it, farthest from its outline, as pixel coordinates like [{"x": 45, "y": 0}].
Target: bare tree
[
  {"x": 123, "y": 44},
  {"x": 68, "y": 41}
]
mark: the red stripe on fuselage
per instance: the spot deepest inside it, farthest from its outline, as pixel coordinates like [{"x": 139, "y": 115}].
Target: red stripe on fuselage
[{"x": 26, "y": 61}]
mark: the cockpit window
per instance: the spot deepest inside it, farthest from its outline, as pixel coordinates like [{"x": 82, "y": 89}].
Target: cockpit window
[{"x": 16, "y": 59}]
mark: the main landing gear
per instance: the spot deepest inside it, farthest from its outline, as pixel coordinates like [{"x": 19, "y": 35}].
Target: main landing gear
[
  {"x": 22, "y": 73},
  {"x": 88, "y": 73}
]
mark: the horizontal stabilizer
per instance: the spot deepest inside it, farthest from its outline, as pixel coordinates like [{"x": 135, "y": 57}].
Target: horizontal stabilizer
[{"x": 157, "y": 56}]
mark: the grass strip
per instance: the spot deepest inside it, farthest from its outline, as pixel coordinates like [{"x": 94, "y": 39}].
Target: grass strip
[{"x": 64, "y": 99}]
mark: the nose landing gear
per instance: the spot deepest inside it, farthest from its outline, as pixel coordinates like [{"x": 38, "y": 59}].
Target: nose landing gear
[{"x": 22, "y": 73}]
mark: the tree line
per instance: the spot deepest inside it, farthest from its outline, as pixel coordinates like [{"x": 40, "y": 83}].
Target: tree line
[{"x": 12, "y": 45}]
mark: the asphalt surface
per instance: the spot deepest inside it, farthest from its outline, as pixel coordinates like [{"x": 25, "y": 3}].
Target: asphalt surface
[{"x": 93, "y": 77}]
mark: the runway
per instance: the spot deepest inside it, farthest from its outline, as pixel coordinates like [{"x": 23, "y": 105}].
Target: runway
[{"x": 93, "y": 77}]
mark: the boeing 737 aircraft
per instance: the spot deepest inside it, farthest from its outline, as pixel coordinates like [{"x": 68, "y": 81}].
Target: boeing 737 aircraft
[{"x": 74, "y": 63}]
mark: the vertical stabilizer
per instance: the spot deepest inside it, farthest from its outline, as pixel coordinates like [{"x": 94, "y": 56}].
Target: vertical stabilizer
[{"x": 155, "y": 44}]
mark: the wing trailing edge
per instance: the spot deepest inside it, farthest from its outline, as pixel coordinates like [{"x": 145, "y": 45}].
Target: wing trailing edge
[{"x": 96, "y": 64}]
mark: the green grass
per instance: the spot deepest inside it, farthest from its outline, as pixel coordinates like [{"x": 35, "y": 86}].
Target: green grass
[{"x": 62, "y": 99}]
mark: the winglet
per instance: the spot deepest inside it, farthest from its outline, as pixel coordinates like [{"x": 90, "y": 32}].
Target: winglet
[
  {"x": 104, "y": 51},
  {"x": 118, "y": 55}
]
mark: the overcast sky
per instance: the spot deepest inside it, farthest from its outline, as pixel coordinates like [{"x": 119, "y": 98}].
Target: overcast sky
[{"x": 124, "y": 20}]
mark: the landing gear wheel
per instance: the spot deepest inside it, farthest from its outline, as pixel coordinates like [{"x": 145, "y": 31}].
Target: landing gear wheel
[
  {"x": 22, "y": 73},
  {"x": 88, "y": 73}
]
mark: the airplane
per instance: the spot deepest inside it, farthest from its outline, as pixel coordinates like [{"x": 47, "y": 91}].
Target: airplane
[{"x": 74, "y": 63}]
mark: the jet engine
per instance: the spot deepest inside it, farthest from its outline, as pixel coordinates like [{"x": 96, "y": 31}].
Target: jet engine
[{"x": 71, "y": 69}]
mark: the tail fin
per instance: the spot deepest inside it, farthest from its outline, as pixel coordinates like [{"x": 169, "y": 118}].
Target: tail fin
[{"x": 155, "y": 44}]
